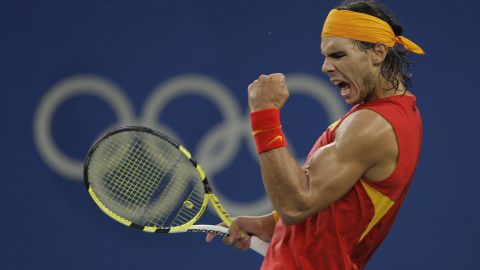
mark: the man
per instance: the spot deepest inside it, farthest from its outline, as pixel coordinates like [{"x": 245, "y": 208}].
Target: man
[{"x": 334, "y": 212}]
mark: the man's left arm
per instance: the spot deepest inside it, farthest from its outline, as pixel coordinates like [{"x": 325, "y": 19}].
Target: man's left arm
[{"x": 363, "y": 141}]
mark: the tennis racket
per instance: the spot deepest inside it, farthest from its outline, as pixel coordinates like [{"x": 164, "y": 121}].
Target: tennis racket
[{"x": 147, "y": 181}]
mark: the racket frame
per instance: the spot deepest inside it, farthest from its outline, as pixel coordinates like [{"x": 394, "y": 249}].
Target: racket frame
[{"x": 186, "y": 227}]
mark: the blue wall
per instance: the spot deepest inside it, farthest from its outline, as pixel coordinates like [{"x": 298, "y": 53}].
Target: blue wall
[{"x": 71, "y": 69}]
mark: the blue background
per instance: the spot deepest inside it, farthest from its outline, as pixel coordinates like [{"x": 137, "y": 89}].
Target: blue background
[{"x": 48, "y": 221}]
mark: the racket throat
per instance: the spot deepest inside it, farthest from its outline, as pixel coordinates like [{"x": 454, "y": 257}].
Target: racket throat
[{"x": 221, "y": 212}]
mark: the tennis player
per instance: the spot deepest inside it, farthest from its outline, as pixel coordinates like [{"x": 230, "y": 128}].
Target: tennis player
[{"x": 335, "y": 210}]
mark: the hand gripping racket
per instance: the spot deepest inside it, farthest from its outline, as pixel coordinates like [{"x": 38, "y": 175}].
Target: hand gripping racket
[{"x": 145, "y": 180}]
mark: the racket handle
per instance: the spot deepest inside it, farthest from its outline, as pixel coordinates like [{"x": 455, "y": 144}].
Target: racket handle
[{"x": 256, "y": 243}]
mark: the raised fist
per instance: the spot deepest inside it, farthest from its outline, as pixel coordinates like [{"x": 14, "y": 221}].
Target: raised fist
[{"x": 268, "y": 91}]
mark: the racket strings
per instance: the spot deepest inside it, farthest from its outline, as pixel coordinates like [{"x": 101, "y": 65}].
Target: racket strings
[
  {"x": 191, "y": 206},
  {"x": 113, "y": 182},
  {"x": 141, "y": 166},
  {"x": 132, "y": 193},
  {"x": 146, "y": 180},
  {"x": 182, "y": 197},
  {"x": 135, "y": 166}
]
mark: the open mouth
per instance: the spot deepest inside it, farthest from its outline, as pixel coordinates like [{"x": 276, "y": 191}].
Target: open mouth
[{"x": 344, "y": 87}]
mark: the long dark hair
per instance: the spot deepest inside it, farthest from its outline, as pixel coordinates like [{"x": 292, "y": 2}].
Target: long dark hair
[{"x": 395, "y": 67}]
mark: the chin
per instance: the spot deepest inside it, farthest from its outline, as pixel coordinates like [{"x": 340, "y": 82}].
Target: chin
[{"x": 352, "y": 101}]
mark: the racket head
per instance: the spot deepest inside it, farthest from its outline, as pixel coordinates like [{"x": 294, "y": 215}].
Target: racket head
[{"x": 145, "y": 180}]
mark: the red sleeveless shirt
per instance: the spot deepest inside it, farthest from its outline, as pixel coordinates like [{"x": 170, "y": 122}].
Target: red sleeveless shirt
[{"x": 345, "y": 235}]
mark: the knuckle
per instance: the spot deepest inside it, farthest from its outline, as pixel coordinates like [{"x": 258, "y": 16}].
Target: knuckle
[
  {"x": 238, "y": 245},
  {"x": 227, "y": 240}
]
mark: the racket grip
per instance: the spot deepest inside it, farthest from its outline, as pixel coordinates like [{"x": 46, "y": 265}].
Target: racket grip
[{"x": 258, "y": 245}]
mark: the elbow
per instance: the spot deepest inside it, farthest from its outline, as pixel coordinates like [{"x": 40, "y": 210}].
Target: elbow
[
  {"x": 301, "y": 204},
  {"x": 298, "y": 214},
  {"x": 293, "y": 216}
]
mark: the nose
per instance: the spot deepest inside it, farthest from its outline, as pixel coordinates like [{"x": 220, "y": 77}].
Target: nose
[{"x": 327, "y": 66}]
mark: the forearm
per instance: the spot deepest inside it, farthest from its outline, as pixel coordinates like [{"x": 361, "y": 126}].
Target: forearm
[
  {"x": 286, "y": 184},
  {"x": 260, "y": 226},
  {"x": 269, "y": 223}
]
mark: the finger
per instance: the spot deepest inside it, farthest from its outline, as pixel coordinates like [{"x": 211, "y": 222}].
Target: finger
[
  {"x": 278, "y": 75},
  {"x": 235, "y": 234},
  {"x": 242, "y": 243},
  {"x": 211, "y": 236},
  {"x": 252, "y": 85},
  {"x": 234, "y": 237},
  {"x": 245, "y": 243},
  {"x": 238, "y": 245},
  {"x": 229, "y": 240}
]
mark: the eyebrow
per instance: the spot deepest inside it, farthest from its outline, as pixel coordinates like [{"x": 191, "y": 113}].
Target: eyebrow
[{"x": 334, "y": 53}]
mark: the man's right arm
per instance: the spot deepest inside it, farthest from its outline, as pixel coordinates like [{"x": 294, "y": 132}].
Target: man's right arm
[{"x": 243, "y": 227}]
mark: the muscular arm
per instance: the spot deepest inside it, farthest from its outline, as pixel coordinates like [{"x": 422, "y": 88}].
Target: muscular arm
[{"x": 364, "y": 145}]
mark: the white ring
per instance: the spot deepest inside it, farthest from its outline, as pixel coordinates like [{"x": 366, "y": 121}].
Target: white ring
[
  {"x": 81, "y": 84},
  {"x": 223, "y": 100},
  {"x": 215, "y": 150}
]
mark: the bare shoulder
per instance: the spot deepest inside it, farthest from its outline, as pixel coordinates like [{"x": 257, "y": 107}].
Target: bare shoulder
[
  {"x": 364, "y": 124},
  {"x": 366, "y": 135}
]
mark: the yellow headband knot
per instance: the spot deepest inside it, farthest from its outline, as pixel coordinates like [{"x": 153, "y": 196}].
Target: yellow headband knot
[{"x": 364, "y": 27}]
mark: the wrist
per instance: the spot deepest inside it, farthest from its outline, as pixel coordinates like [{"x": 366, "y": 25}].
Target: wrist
[
  {"x": 259, "y": 107},
  {"x": 267, "y": 129}
]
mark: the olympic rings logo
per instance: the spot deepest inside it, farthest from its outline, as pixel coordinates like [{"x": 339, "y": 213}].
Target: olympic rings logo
[{"x": 229, "y": 133}]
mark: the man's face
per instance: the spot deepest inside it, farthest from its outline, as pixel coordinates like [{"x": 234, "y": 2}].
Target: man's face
[{"x": 349, "y": 68}]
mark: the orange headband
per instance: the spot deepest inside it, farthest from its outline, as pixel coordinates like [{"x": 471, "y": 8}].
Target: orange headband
[{"x": 364, "y": 27}]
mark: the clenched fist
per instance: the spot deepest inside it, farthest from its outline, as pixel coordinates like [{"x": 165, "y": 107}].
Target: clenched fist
[{"x": 268, "y": 91}]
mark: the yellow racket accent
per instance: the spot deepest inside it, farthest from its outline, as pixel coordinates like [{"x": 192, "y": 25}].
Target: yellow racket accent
[
  {"x": 189, "y": 156},
  {"x": 193, "y": 220},
  {"x": 149, "y": 229},
  {"x": 201, "y": 172},
  {"x": 221, "y": 212},
  {"x": 185, "y": 151},
  {"x": 188, "y": 204},
  {"x": 106, "y": 210}
]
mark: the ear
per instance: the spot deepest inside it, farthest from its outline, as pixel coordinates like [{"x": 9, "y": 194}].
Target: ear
[{"x": 380, "y": 51}]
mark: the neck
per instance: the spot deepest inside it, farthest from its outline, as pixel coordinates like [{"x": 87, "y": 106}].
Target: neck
[{"x": 383, "y": 89}]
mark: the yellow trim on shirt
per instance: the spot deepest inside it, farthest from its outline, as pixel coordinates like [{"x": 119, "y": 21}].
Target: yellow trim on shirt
[
  {"x": 276, "y": 216},
  {"x": 334, "y": 125},
  {"x": 381, "y": 204}
]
